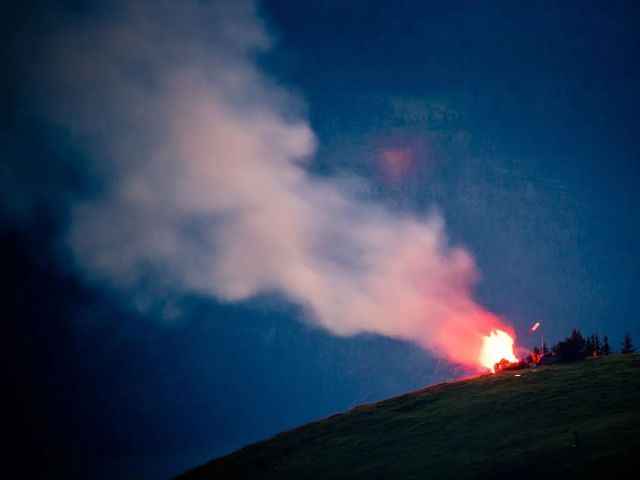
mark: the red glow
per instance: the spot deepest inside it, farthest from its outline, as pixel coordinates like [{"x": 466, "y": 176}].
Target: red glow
[
  {"x": 397, "y": 163},
  {"x": 535, "y": 327},
  {"x": 478, "y": 339},
  {"x": 496, "y": 346}
]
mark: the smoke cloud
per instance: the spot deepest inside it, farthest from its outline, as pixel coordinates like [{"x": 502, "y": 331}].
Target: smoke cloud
[{"x": 201, "y": 162}]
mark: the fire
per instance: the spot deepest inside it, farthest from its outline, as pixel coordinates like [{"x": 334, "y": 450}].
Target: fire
[{"x": 496, "y": 346}]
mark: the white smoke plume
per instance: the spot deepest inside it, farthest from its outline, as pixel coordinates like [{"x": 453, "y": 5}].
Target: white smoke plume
[{"x": 205, "y": 189}]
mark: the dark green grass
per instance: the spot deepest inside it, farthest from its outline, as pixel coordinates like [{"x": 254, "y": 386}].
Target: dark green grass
[{"x": 493, "y": 427}]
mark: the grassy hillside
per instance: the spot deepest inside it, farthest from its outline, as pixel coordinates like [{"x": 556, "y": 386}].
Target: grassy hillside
[{"x": 494, "y": 426}]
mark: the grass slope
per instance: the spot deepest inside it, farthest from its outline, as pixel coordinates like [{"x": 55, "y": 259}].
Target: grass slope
[{"x": 494, "y": 426}]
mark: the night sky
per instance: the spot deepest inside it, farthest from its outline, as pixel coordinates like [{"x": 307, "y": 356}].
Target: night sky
[{"x": 143, "y": 330}]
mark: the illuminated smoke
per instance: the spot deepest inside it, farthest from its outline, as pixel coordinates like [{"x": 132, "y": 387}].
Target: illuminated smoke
[{"x": 205, "y": 188}]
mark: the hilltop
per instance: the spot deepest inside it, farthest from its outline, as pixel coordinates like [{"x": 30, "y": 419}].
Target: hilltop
[{"x": 493, "y": 426}]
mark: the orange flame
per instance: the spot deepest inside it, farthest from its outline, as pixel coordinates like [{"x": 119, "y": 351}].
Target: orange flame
[{"x": 496, "y": 346}]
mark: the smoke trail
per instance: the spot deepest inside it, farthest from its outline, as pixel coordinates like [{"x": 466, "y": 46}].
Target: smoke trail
[{"x": 204, "y": 187}]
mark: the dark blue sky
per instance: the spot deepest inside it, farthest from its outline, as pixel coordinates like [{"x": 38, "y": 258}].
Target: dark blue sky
[
  {"x": 537, "y": 169},
  {"x": 521, "y": 123}
]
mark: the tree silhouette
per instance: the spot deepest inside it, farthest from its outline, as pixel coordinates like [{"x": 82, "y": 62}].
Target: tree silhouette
[
  {"x": 606, "y": 348},
  {"x": 597, "y": 346},
  {"x": 571, "y": 348},
  {"x": 592, "y": 347},
  {"x": 627, "y": 346},
  {"x": 589, "y": 348},
  {"x": 534, "y": 356}
]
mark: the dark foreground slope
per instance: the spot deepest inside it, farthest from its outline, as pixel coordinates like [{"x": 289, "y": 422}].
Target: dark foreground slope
[{"x": 497, "y": 426}]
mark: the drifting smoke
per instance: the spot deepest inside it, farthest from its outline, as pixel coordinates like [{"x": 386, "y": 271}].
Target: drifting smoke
[{"x": 205, "y": 188}]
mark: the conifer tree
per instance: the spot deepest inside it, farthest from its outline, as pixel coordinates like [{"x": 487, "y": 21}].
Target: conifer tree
[
  {"x": 597, "y": 346},
  {"x": 588, "y": 346},
  {"x": 572, "y": 348},
  {"x": 627, "y": 346},
  {"x": 606, "y": 348}
]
